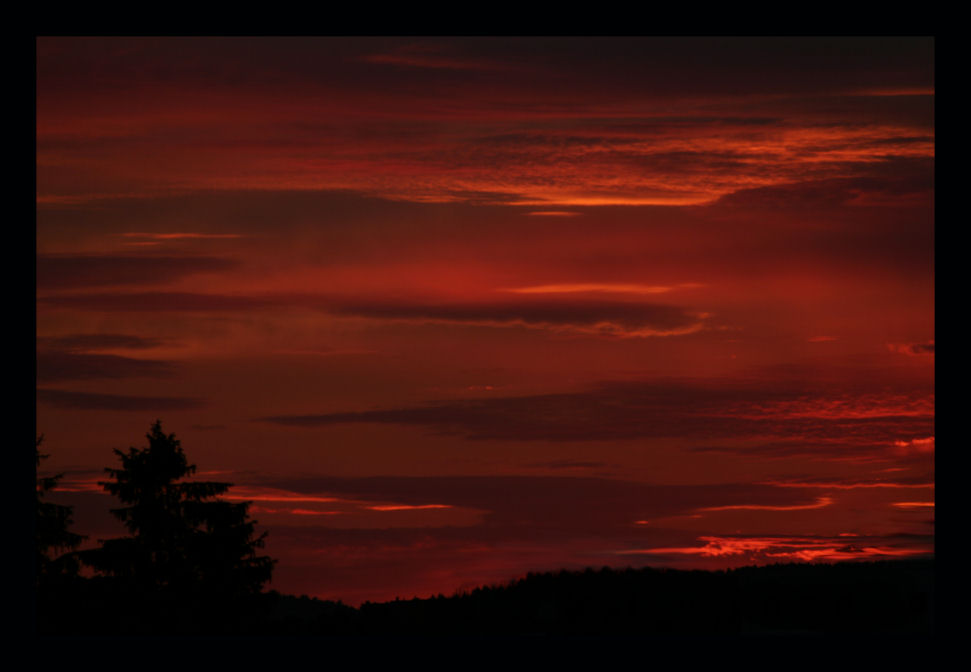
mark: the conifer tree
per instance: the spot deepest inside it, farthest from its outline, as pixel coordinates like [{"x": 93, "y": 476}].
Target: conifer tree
[
  {"x": 183, "y": 540},
  {"x": 55, "y": 542}
]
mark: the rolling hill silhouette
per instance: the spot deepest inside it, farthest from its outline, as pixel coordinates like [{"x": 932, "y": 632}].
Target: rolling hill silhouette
[{"x": 889, "y": 597}]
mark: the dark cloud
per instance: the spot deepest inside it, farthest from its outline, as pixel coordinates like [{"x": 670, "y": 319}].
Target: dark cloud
[
  {"x": 813, "y": 481},
  {"x": 602, "y": 68},
  {"x": 86, "y": 342},
  {"x": 841, "y": 445},
  {"x": 68, "y": 271},
  {"x": 913, "y": 349},
  {"x": 627, "y": 315},
  {"x": 232, "y": 211},
  {"x": 114, "y": 402},
  {"x": 604, "y": 317},
  {"x": 479, "y": 197},
  {"x": 834, "y": 192},
  {"x": 781, "y": 417},
  {"x": 60, "y": 365},
  {"x": 902, "y": 140},
  {"x": 678, "y": 162},
  {"x": 156, "y": 302},
  {"x": 569, "y": 464}
]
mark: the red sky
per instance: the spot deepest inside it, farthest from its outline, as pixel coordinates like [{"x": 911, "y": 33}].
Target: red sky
[{"x": 451, "y": 310}]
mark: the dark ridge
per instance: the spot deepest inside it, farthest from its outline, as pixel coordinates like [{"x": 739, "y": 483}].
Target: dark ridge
[{"x": 886, "y": 598}]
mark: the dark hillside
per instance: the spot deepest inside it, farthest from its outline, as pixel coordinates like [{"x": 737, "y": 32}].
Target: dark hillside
[
  {"x": 842, "y": 598},
  {"x": 894, "y": 597}
]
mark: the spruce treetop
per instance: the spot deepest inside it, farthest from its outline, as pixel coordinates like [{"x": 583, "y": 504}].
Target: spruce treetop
[{"x": 183, "y": 538}]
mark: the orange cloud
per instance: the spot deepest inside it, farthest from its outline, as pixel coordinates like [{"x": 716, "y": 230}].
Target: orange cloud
[
  {"x": 298, "y": 512},
  {"x": 406, "y": 507},
  {"x": 913, "y": 349},
  {"x": 591, "y": 287},
  {"x": 180, "y": 236},
  {"x": 261, "y": 494},
  {"x": 925, "y": 445},
  {"x": 821, "y": 502},
  {"x": 847, "y": 485},
  {"x": 792, "y": 548}
]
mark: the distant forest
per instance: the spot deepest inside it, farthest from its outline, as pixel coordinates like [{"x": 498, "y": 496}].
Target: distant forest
[{"x": 890, "y": 597}]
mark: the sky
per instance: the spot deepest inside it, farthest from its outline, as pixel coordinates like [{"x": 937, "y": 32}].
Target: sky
[{"x": 450, "y": 310}]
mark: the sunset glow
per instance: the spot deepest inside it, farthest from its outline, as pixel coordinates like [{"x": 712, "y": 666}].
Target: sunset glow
[{"x": 450, "y": 310}]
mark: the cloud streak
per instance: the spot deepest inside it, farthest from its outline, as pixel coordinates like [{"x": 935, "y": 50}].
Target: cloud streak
[
  {"x": 606, "y": 318},
  {"x": 114, "y": 402},
  {"x": 89, "y": 342},
  {"x": 591, "y": 287},
  {"x": 829, "y": 422},
  {"x": 820, "y": 503},
  {"x": 57, "y": 365},
  {"x": 798, "y": 548},
  {"x": 182, "y": 236},
  {"x": 611, "y": 318},
  {"x": 912, "y": 349},
  {"x": 70, "y": 271}
]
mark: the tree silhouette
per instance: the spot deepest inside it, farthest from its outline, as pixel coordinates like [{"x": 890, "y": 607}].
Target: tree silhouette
[
  {"x": 55, "y": 542},
  {"x": 184, "y": 541}
]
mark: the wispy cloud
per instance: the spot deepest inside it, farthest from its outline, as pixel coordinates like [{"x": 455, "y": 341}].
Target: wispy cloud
[
  {"x": 912, "y": 349},
  {"x": 259, "y": 493},
  {"x": 150, "y": 302},
  {"x": 916, "y": 445},
  {"x": 570, "y": 464},
  {"x": 407, "y": 507},
  {"x": 263, "y": 494},
  {"x": 57, "y": 365},
  {"x": 601, "y": 318},
  {"x": 805, "y": 548},
  {"x": 69, "y": 271},
  {"x": 592, "y": 287},
  {"x": 181, "y": 236},
  {"x": 769, "y": 417},
  {"x": 820, "y": 503},
  {"x": 294, "y": 512},
  {"x": 114, "y": 402},
  {"x": 93, "y": 342},
  {"x": 852, "y": 484},
  {"x": 604, "y": 318}
]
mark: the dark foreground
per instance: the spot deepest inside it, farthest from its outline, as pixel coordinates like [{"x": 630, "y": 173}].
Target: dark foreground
[{"x": 894, "y": 597}]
